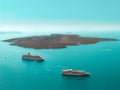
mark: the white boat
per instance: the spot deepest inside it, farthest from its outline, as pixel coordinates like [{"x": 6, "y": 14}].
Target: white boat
[
  {"x": 31, "y": 57},
  {"x": 74, "y": 72}
]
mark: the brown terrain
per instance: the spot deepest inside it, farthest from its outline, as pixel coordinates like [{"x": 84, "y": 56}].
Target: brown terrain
[{"x": 54, "y": 41}]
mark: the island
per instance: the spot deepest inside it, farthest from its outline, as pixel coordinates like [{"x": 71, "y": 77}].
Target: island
[{"x": 55, "y": 41}]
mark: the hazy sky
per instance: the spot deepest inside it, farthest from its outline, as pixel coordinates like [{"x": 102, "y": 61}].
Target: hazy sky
[{"x": 59, "y": 14}]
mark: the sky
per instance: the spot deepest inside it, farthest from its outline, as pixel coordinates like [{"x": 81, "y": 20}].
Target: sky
[{"x": 59, "y": 15}]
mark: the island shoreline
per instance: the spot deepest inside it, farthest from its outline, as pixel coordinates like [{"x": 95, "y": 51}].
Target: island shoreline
[{"x": 55, "y": 41}]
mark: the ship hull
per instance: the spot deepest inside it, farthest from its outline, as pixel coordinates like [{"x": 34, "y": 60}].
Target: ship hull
[
  {"x": 69, "y": 74},
  {"x": 31, "y": 59}
]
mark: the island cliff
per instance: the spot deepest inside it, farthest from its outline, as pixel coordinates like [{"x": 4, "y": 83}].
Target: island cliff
[{"x": 54, "y": 41}]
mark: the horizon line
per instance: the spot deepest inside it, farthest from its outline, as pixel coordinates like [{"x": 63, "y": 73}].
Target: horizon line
[{"x": 61, "y": 26}]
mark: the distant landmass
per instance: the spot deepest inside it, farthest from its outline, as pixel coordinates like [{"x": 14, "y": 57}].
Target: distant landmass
[
  {"x": 9, "y": 32},
  {"x": 54, "y": 41}
]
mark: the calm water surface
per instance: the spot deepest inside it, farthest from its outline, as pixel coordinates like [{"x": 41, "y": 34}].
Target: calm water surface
[{"x": 102, "y": 60}]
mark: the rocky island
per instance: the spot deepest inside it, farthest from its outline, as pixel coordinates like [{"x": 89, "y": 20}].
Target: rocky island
[{"x": 54, "y": 41}]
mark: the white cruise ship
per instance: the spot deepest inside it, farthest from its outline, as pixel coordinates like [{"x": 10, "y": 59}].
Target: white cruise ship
[
  {"x": 75, "y": 72},
  {"x": 31, "y": 57}
]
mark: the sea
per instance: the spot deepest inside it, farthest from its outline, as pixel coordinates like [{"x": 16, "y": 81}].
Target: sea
[{"x": 102, "y": 60}]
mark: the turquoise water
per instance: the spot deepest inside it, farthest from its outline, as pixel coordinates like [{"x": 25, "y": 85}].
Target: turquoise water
[{"x": 101, "y": 60}]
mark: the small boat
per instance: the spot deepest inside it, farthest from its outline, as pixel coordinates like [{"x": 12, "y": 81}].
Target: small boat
[
  {"x": 31, "y": 57},
  {"x": 71, "y": 72}
]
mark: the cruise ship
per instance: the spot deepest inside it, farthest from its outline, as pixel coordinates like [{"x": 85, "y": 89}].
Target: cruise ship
[
  {"x": 71, "y": 72},
  {"x": 31, "y": 57}
]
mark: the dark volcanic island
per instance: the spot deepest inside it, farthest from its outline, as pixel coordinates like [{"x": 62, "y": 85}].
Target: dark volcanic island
[{"x": 54, "y": 41}]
